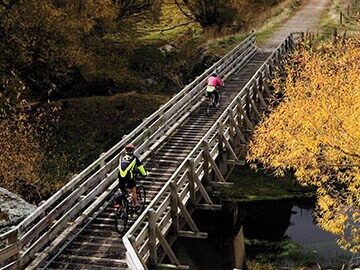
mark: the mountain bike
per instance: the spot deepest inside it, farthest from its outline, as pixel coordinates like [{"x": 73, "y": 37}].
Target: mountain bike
[
  {"x": 210, "y": 102},
  {"x": 124, "y": 207}
]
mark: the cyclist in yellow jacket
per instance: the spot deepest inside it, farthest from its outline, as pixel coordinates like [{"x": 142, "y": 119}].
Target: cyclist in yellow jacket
[{"x": 127, "y": 163}]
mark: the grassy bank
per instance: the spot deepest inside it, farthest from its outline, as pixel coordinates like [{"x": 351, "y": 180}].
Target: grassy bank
[
  {"x": 249, "y": 185},
  {"x": 89, "y": 126}
]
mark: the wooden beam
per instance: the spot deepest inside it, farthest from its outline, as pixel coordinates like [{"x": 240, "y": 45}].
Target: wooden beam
[
  {"x": 217, "y": 170},
  {"x": 191, "y": 180},
  {"x": 161, "y": 266},
  {"x": 205, "y": 206},
  {"x": 242, "y": 112},
  {"x": 205, "y": 146},
  {"x": 221, "y": 139},
  {"x": 262, "y": 101},
  {"x": 174, "y": 260},
  {"x": 265, "y": 83},
  {"x": 234, "y": 162},
  {"x": 174, "y": 207},
  {"x": 255, "y": 109},
  {"x": 8, "y": 252},
  {"x": 11, "y": 266},
  {"x": 200, "y": 185},
  {"x": 191, "y": 234},
  {"x": 224, "y": 184},
  {"x": 188, "y": 217},
  {"x": 152, "y": 237},
  {"x": 237, "y": 129}
]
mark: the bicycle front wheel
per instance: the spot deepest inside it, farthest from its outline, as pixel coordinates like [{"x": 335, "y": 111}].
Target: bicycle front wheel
[
  {"x": 121, "y": 218},
  {"x": 141, "y": 197}
]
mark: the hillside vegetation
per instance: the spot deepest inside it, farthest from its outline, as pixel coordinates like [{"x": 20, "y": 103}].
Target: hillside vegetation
[
  {"x": 74, "y": 79},
  {"x": 68, "y": 97}
]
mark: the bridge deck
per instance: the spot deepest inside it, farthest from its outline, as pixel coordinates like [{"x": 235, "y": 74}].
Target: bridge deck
[{"x": 98, "y": 245}]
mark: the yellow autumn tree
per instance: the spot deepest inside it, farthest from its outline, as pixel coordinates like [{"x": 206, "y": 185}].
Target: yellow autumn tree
[
  {"x": 46, "y": 46},
  {"x": 20, "y": 150},
  {"x": 41, "y": 42},
  {"x": 315, "y": 133}
]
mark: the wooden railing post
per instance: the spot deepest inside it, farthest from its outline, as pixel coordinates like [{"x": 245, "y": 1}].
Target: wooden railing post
[
  {"x": 266, "y": 81},
  {"x": 192, "y": 181},
  {"x": 221, "y": 140},
  {"x": 248, "y": 126},
  {"x": 206, "y": 160},
  {"x": 13, "y": 238},
  {"x": 174, "y": 207},
  {"x": 102, "y": 164},
  {"x": 152, "y": 238},
  {"x": 247, "y": 103}
]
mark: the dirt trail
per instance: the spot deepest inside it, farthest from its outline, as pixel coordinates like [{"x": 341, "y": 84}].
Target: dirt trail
[{"x": 305, "y": 19}]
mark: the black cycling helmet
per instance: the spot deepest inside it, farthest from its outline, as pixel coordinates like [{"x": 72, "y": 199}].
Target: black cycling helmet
[
  {"x": 129, "y": 149},
  {"x": 214, "y": 73}
]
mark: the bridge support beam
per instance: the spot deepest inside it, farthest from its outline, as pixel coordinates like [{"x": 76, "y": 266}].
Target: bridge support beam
[
  {"x": 194, "y": 179},
  {"x": 211, "y": 162},
  {"x": 240, "y": 107},
  {"x": 156, "y": 236},
  {"x": 176, "y": 204}
]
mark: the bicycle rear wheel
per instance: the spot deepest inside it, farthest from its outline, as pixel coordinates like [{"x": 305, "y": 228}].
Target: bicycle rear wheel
[
  {"x": 208, "y": 108},
  {"x": 121, "y": 217},
  {"x": 220, "y": 97},
  {"x": 141, "y": 197},
  {"x": 209, "y": 105}
]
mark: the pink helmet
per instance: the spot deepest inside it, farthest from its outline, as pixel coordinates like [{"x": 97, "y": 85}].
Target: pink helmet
[{"x": 129, "y": 148}]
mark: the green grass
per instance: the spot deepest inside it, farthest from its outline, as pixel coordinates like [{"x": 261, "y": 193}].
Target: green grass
[
  {"x": 279, "y": 16},
  {"x": 330, "y": 21},
  {"x": 93, "y": 125},
  {"x": 89, "y": 126},
  {"x": 249, "y": 185},
  {"x": 275, "y": 255}
]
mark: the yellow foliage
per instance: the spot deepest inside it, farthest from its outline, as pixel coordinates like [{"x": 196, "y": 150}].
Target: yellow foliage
[
  {"x": 315, "y": 132},
  {"x": 23, "y": 131},
  {"x": 20, "y": 152}
]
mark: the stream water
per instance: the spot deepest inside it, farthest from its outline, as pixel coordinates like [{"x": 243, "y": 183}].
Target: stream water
[
  {"x": 268, "y": 224},
  {"x": 313, "y": 240},
  {"x": 292, "y": 221}
]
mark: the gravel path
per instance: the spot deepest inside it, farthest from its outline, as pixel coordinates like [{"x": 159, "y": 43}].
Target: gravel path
[{"x": 304, "y": 20}]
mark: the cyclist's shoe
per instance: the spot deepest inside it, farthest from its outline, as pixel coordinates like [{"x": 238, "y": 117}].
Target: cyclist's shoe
[{"x": 217, "y": 105}]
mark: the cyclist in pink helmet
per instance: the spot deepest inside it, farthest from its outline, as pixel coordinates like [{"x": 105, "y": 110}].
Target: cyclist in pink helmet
[
  {"x": 127, "y": 163},
  {"x": 212, "y": 83}
]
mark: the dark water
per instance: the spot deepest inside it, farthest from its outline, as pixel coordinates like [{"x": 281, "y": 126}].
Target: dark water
[
  {"x": 268, "y": 221},
  {"x": 293, "y": 221},
  {"x": 314, "y": 240}
]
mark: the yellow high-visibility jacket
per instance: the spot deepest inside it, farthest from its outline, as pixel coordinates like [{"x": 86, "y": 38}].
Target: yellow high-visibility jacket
[{"x": 127, "y": 164}]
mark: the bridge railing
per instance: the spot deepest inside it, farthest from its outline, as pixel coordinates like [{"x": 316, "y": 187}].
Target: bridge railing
[
  {"x": 48, "y": 227},
  {"x": 168, "y": 211}
]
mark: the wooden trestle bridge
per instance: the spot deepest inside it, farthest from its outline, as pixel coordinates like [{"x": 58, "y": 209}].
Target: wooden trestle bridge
[{"x": 187, "y": 154}]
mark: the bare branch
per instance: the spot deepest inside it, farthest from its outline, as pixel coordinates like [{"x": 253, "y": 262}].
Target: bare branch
[{"x": 183, "y": 11}]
